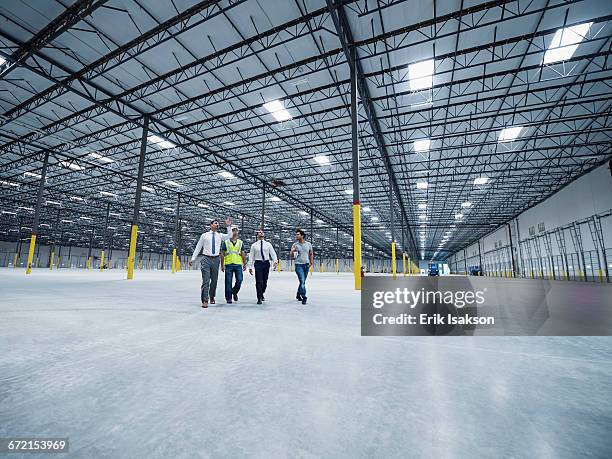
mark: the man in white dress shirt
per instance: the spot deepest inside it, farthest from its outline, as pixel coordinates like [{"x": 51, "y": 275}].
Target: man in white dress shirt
[
  {"x": 209, "y": 247},
  {"x": 260, "y": 256}
]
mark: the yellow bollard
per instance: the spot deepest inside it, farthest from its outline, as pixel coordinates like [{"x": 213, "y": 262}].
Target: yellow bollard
[
  {"x": 15, "y": 260},
  {"x": 600, "y": 275},
  {"x": 132, "y": 252},
  {"x": 101, "y": 260},
  {"x": 31, "y": 254},
  {"x": 357, "y": 245},
  {"x": 173, "y": 261},
  {"x": 88, "y": 263},
  {"x": 278, "y": 267},
  {"x": 51, "y": 260}
]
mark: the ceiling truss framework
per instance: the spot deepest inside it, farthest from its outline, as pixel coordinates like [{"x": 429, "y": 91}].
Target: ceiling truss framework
[{"x": 78, "y": 77}]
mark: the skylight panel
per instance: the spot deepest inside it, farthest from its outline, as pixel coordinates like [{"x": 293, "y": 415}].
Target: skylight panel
[
  {"x": 421, "y": 185},
  {"x": 160, "y": 142},
  {"x": 226, "y": 175},
  {"x": 510, "y": 134},
  {"x": 322, "y": 160},
  {"x": 98, "y": 157},
  {"x": 481, "y": 180},
  {"x": 277, "y": 110},
  {"x": 565, "y": 43},
  {"x": 421, "y": 145},
  {"x": 421, "y": 75}
]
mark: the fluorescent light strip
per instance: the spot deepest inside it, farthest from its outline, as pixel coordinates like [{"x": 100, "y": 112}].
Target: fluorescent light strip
[{"x": 421, "y": 145}]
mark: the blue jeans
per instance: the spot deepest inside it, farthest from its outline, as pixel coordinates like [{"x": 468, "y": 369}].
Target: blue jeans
[
  {"x": 230, "y": 270},
  {"x": 302, "y": 273}
]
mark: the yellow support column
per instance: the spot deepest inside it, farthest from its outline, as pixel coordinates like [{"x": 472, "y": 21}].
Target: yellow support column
[
  {"x": 393, "y": 260},
  {"x": 15, "y": 260},
  {"x": 278, "y": 267},
  {"x": 88, "y": 263},
  {"x": 600, "y": 274},
  {"x": 178, "y": 264},
  {"x": 410, "y": 266},
  {"x": 101, "y": 260},
  {"x": 404, "y": 263},
  {"x": 31, "y": 254},
  {"x": 357, "y": 245},
  {"x": 337, "y": 267},
  {"x": 51, "y": 259},
  {"x": 132, "y": 252},
  {"x": 173, "y": 261}
]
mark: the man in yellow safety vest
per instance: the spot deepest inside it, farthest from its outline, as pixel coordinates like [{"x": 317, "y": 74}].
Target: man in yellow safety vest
[{"x": 233, "y": 263}]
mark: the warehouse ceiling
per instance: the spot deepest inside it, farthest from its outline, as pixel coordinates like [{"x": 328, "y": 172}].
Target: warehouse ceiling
[{"x": 470, "y": 112}]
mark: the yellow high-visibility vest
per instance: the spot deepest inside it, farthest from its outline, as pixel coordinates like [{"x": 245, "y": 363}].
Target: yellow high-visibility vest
[{"x": 232, "y": 252}]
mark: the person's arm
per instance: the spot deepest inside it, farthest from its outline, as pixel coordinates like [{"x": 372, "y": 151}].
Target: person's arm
[
  {"x": 228, "y": 233},
  {"x": 222, "y": 263},
  {"x": 293, "y": 249},
  {"x": 273, "y": 256},
  {"x": 251, "y": 258},
  {"x": 197, "y": 249},
  {"x": 311, "y": 256},
  {"x": 244, "y": 259}
]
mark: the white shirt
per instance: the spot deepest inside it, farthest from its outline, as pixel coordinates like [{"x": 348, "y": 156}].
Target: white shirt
[
  {"x": 256, "y": 253},
  {"x": 205, "y": 244}
]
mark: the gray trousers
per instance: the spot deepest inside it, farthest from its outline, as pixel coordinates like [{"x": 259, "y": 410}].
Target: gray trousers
[{"x": 210, "y": 272}]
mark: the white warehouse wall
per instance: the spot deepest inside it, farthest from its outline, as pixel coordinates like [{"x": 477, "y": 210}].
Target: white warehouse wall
[{"x": 589, "y": 195}]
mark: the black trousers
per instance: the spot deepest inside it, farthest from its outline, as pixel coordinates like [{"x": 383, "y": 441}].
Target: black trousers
[{"x": 262, "y": 270}]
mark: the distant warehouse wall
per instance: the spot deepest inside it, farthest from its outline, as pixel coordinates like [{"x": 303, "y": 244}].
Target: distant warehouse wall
[{"x": 567, "y": 236}]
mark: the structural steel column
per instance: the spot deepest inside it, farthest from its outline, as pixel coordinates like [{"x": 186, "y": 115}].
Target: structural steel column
[
  {"x": 337, "y": 248},
  {"x": 135, "y": 216},
  {"x": 104, "y": 234},
  {"x": 91, "y": 237},
  {"x": 312, "y": 239},
  {"x": 512, "y": 265},
  {"x": 176, "y": 234},
  {"x": 393, "y": 259},
  {"x": 53, "y": 233},
  {"x": 41, "y": 190},
  {"x": 263, "y": 207},
  {"x": 355, "y": 166}
]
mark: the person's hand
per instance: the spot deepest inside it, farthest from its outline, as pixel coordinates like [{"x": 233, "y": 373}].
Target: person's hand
[
  {"x": 190, "y": 263},
  {"x": 275, "y": 265},
  {"x": 251, "y": 271},
  {"x": 228, "y": 221},
  {"x": 222, "y": 268}
]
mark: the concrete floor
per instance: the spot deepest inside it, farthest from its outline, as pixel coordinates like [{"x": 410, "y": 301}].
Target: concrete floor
[{"x": 137, "y": 369}]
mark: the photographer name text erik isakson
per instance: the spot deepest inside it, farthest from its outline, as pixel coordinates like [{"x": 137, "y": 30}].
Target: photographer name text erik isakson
[{"x": 411, "y": 298}]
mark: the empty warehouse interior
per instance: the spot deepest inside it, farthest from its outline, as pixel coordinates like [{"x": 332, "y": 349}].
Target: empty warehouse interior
[{"x": 210, "y": 211}]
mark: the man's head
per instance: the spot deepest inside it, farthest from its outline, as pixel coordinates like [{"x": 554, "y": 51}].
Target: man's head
[
  {"x": 214, "y": 225},
  {"x": 300, "y": 235},
  {"x": 260, "y": 234},
  {"x": 235, "y": 231}
]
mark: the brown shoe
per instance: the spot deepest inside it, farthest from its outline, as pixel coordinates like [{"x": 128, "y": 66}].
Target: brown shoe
[
  {"x": 205, "y": 304},
  {"x": 212, "y": 301}
]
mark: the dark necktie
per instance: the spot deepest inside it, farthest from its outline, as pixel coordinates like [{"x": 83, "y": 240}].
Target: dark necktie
[
  {"x": 263, "y": 257},
  {"x": 213, "y": 245}
]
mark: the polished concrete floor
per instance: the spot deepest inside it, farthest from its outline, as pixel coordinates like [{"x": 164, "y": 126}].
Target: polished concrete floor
[{"x": 138, "y": 370}]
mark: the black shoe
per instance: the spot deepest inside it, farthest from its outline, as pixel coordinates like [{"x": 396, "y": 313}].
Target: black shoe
[
  {"x": 303, "y": 300},
  {"x": 229, "y": 301},
  {"x": 298, "y": 297},
  {"x": 263, "y": 298},
  {"x": 235, "y": 297},
  {"x": 258, "y": 301}
]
